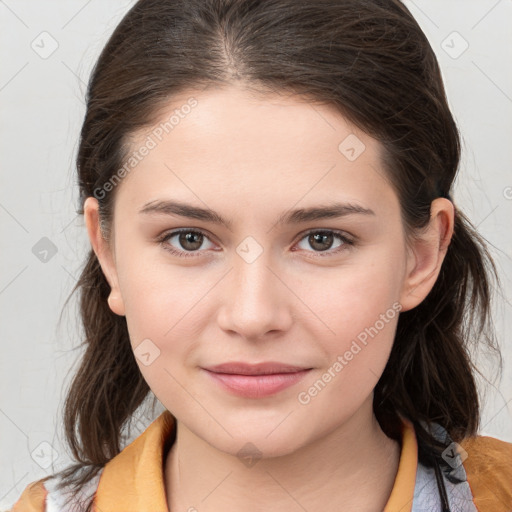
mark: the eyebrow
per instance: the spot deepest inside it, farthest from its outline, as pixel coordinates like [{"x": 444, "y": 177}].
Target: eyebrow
[{"x": 332, "y": 211}]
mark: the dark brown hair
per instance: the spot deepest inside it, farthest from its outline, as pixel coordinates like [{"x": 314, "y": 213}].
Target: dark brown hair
[{"x": 371, "y": 61}]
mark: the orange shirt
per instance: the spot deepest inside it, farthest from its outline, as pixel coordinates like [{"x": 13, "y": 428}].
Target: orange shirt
[{"x": 133, "y": 481}]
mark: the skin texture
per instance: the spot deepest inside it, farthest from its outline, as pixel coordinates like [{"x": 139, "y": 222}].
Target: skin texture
[{"x": 252, "y": 159}]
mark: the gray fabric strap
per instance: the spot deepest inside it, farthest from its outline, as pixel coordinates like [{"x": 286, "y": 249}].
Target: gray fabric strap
[{"x": 426, "y": 492}]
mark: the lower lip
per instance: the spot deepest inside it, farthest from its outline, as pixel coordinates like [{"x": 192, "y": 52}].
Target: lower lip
[{"x": 257, "y": 386}]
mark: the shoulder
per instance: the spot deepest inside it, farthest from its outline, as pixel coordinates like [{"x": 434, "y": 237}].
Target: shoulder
[
  {"x": 44, "y": 496},
  {"x": 32, "y": 499},
  {"x": 488, "y": 465}
]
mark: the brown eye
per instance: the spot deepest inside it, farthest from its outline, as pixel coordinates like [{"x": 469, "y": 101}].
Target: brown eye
[
  {"x": 187, "y": 243},
  {"x": 190, "y": 240},
  {"x": 322, "y": 241}
]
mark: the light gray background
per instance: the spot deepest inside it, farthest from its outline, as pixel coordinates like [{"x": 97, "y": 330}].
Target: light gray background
[{"x": 42, "y": 108}]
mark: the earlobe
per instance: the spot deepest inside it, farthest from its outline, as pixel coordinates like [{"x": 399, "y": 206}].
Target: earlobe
[
  {"x": 115, "y": 303},
  {"x": 427, "y": 253},
  {"x": 103, "y": 251}
]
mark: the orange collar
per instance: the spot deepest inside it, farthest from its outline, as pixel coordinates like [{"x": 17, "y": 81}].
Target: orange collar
[
  {"x": 402, "y": 493},
  {"x": 134, "y": 479}
]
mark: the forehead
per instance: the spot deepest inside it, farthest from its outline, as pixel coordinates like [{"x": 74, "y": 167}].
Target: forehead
[
  {"x": 239, "y": 118},
  {"x": 276, "y": 147}
]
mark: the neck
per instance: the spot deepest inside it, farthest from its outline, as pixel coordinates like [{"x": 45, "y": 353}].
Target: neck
[{"x": 352, "y": 468}]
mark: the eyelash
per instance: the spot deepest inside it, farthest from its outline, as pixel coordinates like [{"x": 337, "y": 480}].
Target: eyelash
[{"x": 347, "y": 242}]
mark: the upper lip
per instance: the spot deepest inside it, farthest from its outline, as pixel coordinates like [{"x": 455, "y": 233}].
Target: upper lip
[{"x": 266, "y": 368}]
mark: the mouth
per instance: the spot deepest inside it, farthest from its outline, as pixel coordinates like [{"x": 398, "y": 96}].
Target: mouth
[
  {"x": 256, "y": 380},
  {"x": 265, "y": 368}
]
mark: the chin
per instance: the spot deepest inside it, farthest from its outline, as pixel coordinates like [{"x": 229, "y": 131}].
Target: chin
[{"x": 254, "y": 443}]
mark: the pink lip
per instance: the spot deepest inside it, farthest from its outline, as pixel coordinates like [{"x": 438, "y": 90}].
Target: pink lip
[
  {"x": 258, "y": 380},
  {"x": 241, "y": 368}
]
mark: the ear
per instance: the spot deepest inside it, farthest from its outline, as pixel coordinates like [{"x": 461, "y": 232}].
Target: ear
[
  {"x": 105, "y": 254},
  {"x": 426, "y": 254}
]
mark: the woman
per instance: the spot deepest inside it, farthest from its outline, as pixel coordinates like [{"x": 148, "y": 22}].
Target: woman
[{"x": 276, "y": 256}]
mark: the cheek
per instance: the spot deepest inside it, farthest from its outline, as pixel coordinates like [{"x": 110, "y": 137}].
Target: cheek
[
  {"x": 160, "y": 333},
  {"x": 162, "y": 304},
  {"x": 356, "y": 355},
  {"x": 152, "y": 303},
  {"x": 355, "y": 298},
  {"x": 359, "y": 313}
]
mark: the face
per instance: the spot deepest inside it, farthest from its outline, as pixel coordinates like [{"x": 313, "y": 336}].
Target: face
[{"x": 318, "y": 292}]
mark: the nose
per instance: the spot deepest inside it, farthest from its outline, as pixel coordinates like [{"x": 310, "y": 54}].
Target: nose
[{"x": 255, "y": 299}]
